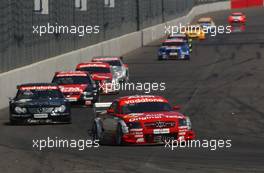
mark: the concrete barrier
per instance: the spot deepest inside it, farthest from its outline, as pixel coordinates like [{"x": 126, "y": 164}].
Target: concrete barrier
[
  {"x": 43, "y": 71},
  {"x": 150, "y": 34}
]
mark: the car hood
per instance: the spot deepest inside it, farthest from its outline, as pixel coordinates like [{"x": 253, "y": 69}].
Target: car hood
[
  {"x": 117, "y": 68},
  {"x": 171, "y": 47},
  {"x": 39, "y": 102},
  {"x": 153, "y": 116},
  {"x": 101, "y": 76}
]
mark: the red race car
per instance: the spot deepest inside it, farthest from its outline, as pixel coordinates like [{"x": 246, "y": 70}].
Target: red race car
[
  {"x": 237, "y": 17},
  {"x": 77, "y": 86},
  {"x": 144, "y": 119},
  {"x": 102, "y": 73},
  {"x": 118, "y": 66}
]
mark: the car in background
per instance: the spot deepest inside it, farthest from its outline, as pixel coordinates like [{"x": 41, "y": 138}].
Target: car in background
[
  {"x": 182, "y": 37},
  {"x": 207, "y": 24},
  {"x": 237, "y": 17},
  {"x": 39, "y": 103},
  {"x": 195, "y": 32},
  {"x": 174, "y": 49},
  {"x": 77, "y": 87},
  {"x": 103, "y": 74},
  {"x": 140, "y": 119},
  {"x": 118, "y": 66}
]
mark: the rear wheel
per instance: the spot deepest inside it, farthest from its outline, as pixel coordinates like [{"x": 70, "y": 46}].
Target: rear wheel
[{"x": 160, "y": 59}]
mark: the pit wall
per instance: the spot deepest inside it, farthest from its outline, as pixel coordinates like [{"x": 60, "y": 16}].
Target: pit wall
[{"x": 43, "y": 71}]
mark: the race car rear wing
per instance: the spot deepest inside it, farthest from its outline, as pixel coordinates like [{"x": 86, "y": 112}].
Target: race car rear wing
[{"x": 101, "y": 107}]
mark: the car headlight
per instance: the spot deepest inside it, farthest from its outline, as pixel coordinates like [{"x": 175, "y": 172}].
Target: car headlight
[
  {"x": 20, "y": 110},
  {"x": 186, "y": 122},
  {"x": 118, "y": 74},
  {"x": 134, "y": 125},
  {"x": 61, "y": 109},
  {"x": 189, "y": 123}
]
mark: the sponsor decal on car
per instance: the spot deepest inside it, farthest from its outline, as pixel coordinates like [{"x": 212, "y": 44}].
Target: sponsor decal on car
[
  {"x": 39, "y": 88},
  {"x": 92, "y": 65},
  {"x": 71, "y": 89},
  {"x": 154, "y": 116},
  {"x": 143, "y": 100},
  {"x": 161, "y": 131},
  {"x": 71, "y": 74}
]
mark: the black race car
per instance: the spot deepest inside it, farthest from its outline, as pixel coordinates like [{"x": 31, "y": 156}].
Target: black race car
[{"x": 39, "y": 103}]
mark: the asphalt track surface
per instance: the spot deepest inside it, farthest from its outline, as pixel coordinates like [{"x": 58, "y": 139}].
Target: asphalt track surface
[{"x": 221, "y": 89}]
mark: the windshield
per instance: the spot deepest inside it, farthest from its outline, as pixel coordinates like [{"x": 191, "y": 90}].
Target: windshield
[
  {"x": 205, "y": 23},
  {"x": 172, "y": 44},
  {"x": 92, "y": 70},
  {"x": 237, "y": 15},
  {"x": 38, "y": 94},
  {"x": 177, "y": 37},
  {"x": 114, "y": 63},
  {"x": 68, "y": 80},
  {"x": 146, "y": 107}
]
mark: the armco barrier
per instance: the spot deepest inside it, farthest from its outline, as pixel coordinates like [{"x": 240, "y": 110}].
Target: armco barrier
[{"x": 43, "y": 71}]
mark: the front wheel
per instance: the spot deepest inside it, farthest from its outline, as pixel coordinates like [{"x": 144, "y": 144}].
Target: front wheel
[
  {"x": 94, "y": 134},
  {"x": 119, "y": 135}
]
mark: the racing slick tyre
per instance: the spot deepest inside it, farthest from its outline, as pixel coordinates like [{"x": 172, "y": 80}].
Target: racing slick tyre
[
  {"x": 103, "y": 139},
  {"x": 96, "y": 100},
  {"x": 187, "y": 58},
  {"x": 126, "y": 80},
  {"x": 69, "y": 121},
  {"x": 94, "y": 133},
  {"x": 119, "y": 135},
  {"x": 14, "y": 122}
]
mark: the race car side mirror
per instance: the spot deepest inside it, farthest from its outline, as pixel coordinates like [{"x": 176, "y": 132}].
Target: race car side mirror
[
  {"x": 110, "y": 111},
  {"x": 11, "y": 98},
  {"x": 177, "y": 107},
  {"x": 126, "y": 65}
]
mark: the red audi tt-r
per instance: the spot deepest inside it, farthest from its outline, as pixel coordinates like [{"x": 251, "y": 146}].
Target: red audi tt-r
[
  {"x": 101, "y": 73},
  {"x": 140, "y": 119},
  {"x": 237, "y": 17}
]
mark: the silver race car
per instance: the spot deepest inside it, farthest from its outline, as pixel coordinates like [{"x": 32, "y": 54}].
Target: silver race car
[{"x": 118, "y": 66}]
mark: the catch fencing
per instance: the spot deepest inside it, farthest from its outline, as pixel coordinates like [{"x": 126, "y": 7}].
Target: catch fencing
[{"x": 19, "y": 46}]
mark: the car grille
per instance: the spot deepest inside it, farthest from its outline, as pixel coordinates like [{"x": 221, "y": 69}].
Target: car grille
[
  {"x": 159, "y": 124},
  {"x": 40, "y": 110},
  {"x": 151, "y": 138},
  {"x": 173, "y": 50}
]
